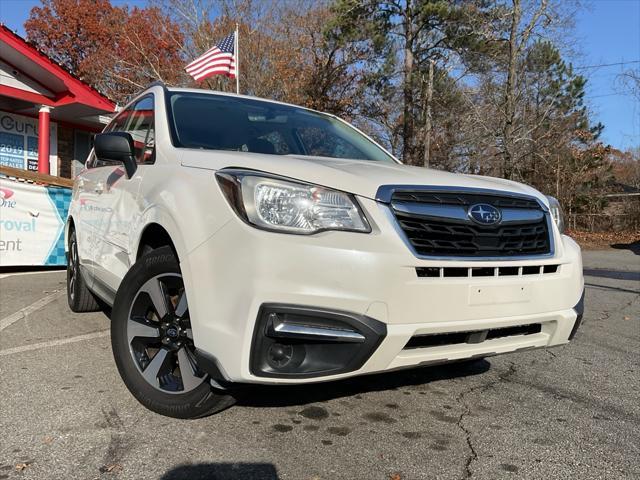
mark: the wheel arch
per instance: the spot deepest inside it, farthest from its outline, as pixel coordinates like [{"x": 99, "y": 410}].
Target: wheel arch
[
  {"x": 68, "y": 226},
  {"x": 155, "y": 229},
  {"x": 154, "y": 236}
]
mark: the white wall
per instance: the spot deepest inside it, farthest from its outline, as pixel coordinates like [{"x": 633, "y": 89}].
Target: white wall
[{"x": 10, "y": 77}]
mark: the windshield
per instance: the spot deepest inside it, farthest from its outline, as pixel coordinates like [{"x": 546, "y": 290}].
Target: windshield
[{"x": 218, "y": 122}]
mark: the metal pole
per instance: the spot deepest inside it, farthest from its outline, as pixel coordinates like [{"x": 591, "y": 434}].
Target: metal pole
[{"x": 237, "y": 53}]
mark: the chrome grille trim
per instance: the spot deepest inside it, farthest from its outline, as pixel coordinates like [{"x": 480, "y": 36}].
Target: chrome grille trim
[
  {"x": 385, "y": 194},
  {"x": 455, "y": 212}
]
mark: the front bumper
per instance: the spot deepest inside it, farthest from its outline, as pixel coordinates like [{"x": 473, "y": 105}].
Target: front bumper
[{"x": 239, "y": 269}]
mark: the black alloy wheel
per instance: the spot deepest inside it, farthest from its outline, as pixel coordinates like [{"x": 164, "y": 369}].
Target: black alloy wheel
[
  {"x": 160, "y": 338},
  {"x": 152, "y": 341}
]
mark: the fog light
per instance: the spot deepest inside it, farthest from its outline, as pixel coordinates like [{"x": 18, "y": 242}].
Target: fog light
[
  {"x": 280, "y": 355},
  {"x": 303, "y": 342}
]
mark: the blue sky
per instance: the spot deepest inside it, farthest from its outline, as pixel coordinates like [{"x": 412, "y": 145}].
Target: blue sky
[{"x": 608, "y": 31}]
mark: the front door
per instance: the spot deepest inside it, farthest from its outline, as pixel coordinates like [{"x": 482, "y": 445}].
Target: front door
[{"x": 119, "y": 196}]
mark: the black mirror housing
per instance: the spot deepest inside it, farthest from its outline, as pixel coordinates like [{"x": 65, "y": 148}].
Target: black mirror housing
[{"x": 116, "y": 147}]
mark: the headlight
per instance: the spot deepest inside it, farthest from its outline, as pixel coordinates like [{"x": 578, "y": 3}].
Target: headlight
[
  {"x": 273, "y": 203},
  {"x": 556, "y": 212}
]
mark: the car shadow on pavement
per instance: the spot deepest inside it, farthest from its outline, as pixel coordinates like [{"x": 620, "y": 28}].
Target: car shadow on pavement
[
  {"x": 633, "y": 247},
  {"x": 288, "y": 395},
  {"x": 223, "y": 471},
  {"x": 612, "y": 289},
  {"x": 613, "y": 274}
]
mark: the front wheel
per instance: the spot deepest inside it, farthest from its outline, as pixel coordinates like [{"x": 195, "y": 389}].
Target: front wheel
[{"x": 152, "y": 341}]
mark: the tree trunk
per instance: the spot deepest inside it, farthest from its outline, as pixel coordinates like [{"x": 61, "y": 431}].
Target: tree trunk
[
  {"x": 558, "y": 176},
  {"x": 407, "y": 124},
  {"x": 427, "y": 123},
  {"x": 510, "y": 92}
]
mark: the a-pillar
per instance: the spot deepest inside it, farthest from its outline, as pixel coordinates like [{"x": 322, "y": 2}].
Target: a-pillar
[{"x": 43, "y": 139}]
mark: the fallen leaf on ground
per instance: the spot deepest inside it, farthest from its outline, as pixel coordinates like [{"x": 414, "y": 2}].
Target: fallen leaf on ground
[
  {"x": 395, "y": 476},
  {"x": 47, "y": 439},
  {"x": 110, "y": 468},
  {"x": 21, "y": 466},
  {"x": 599, "y": 240},
  {"x": 626, "y": 317}
]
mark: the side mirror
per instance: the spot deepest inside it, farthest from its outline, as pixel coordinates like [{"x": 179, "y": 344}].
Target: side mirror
[{"x": 116, "y": 147}]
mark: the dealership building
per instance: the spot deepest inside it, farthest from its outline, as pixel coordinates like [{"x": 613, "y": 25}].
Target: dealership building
[{"x": 48, "y": 116}]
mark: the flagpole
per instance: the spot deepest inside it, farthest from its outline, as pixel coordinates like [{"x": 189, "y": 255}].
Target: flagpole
[{"x": 237, "y": 52}]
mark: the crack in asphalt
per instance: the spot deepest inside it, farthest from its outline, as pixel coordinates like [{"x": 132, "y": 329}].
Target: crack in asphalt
[
  {"x": 119, "y": 443},
  {"x": 629, "y": 303},
  {"x": 473, "y": 454},
  {"x": 581, "y": 400},
  {"x": 607, "y": 313}
]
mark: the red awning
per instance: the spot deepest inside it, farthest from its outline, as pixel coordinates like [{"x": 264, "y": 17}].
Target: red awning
[{"x": 33, "y": 79}]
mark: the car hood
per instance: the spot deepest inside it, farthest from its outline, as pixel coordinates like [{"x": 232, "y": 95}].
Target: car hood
[{"x": 359, "y": 177}]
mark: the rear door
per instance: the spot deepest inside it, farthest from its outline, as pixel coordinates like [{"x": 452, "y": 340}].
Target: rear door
[{"x": 87, "y": 215}]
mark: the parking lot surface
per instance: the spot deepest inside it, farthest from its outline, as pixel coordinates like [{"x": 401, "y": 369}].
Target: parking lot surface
[{"x": 568, "y": 412}]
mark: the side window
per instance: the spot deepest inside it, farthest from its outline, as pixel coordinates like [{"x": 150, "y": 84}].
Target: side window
[
  {"x": 137, "y": 120},
  {"x": 118, "y": 124},
  {"x": 142, "y": 130}
]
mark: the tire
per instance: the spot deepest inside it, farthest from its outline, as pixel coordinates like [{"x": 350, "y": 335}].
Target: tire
[
  {"x": 152, "y": 342},
  {"x": 79, "y": 296}
]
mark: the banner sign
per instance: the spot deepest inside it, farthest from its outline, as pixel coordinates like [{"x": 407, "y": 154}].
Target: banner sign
[
  {"x": 19, "y": 142},
  {"x": 32, "y": 219}
]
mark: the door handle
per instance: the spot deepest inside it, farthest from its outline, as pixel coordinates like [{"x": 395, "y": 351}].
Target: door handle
[{"x": 99, "y": 188}]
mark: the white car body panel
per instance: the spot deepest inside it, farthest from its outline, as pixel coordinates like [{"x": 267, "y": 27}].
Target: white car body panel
[
  {"x": 358, "y": 177},
  {"x": 230, "y": 268},
  {"x": 368, "y": 274}
]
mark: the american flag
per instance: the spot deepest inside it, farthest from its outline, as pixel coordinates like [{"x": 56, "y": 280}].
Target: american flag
[{"x": 220, "y": 59}]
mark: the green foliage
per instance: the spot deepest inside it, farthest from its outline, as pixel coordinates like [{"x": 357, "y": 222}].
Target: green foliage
[
  {"x": 402, "y": 37},
  {"x": 554, "y": 143}
]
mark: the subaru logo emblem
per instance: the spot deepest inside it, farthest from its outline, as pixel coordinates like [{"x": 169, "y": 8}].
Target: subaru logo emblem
[
  {"x": 172, "y": 332},
  {"x": 484, "y": 214}
]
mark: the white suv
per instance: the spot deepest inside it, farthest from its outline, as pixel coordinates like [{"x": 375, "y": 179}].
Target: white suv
[{"x": 240, "y": 240}]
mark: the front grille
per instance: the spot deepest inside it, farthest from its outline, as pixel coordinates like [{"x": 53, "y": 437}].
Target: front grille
[{"x": 437, "y": 224}]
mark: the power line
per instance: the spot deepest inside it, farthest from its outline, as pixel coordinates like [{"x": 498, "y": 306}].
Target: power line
[
  {"x": 608, "y": 95},
  {"x": 586, "y": 67},
  {"x": 583, "y": 67}
]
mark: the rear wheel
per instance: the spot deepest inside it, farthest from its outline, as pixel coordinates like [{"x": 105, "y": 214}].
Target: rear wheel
[
  {"x": 152, "y": 341},
  {"x": 79, "y": 297}
]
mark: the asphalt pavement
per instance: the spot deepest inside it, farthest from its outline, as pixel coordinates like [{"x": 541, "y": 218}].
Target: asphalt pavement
[{"x": 571, "y": 412}]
